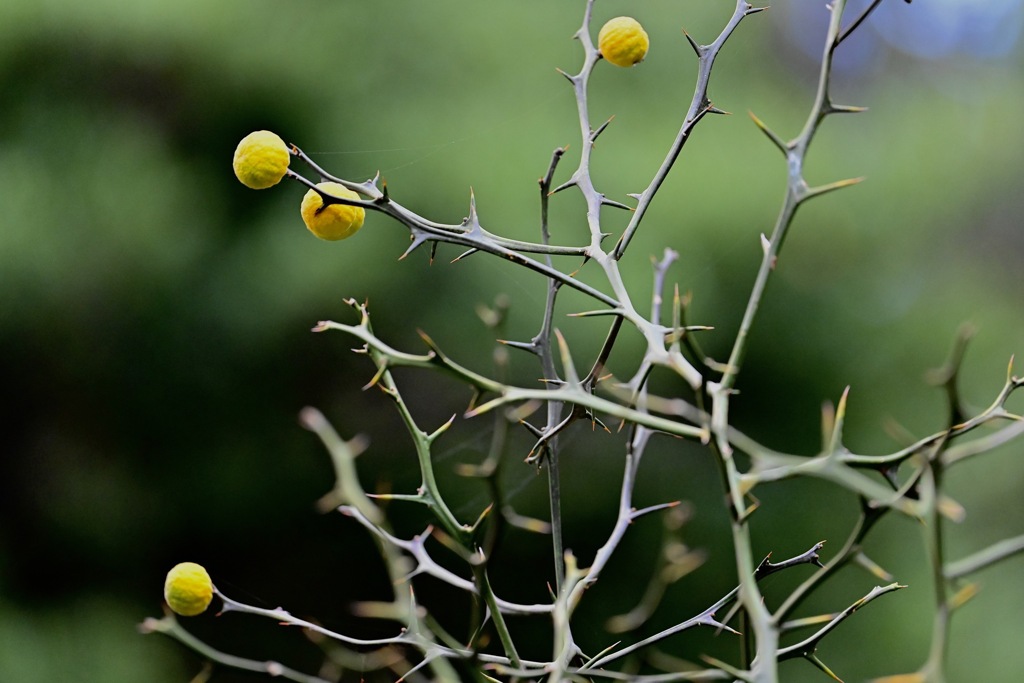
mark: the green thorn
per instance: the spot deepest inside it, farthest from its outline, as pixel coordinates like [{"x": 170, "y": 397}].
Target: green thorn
[
  {"x": 821, "y": 665},
  {"x": 776, "y": 140},
  {"x": 830, "y": 187},
  {"x": 836, "y": 443},
  {"x": 845, "y": 109}
]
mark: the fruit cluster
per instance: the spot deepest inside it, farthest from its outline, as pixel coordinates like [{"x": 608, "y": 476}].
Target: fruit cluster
[
  {"x": 262, "y": 157},
  {"x": 261, "y": 161}
]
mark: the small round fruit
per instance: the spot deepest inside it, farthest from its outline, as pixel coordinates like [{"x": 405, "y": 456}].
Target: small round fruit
[
  {"x": 261, "y": 160},
  {"x": 334, "y": 221},
  {"x": 623, "y": 41},
  {"x": 188, "y": 589}
]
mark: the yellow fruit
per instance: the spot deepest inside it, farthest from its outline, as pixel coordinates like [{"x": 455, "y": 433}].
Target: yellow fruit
[
  {"x": 623, "y": 41},
  {"x": 335, "y": 221},
  {"x": 261, "y": 160},
  {"x": 188, "y": 589}
]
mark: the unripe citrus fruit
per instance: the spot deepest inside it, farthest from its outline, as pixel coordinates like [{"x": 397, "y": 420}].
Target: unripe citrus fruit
[
  {"x": 623, "y": 41},
  {"x": 335, "y": 221},
  {"x": 188, "y": 589},
  {"x": 261, "y": 160}
]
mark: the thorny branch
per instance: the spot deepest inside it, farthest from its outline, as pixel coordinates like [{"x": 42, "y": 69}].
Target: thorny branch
[{"x": 567, "y": 397}]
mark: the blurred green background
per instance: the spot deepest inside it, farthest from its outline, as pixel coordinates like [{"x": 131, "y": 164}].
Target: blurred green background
[{"x": 155, "y": 314}]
